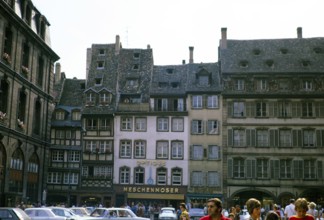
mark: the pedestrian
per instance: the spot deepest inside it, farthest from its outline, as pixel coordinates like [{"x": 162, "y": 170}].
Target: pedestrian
[
  {"x": 276, "y": 209},
  {"x": 290, "y": 209},
  {"x": 214, "y": 208},
  {"x": 301, "y": 208},
  {"x": 272, "y": 215},
  {"x": 184, "y": 213},
  {"x": 237, "y": 212},
  {"x": 254, "y": 208},
  {"x": 312, "y": 210}
]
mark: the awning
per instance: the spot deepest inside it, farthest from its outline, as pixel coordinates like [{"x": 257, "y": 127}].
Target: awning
[{"x": 155, "y": 196}]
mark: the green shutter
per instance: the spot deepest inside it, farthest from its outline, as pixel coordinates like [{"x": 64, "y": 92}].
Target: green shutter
[
  {"x": 319, "y": 170},
  {"x": 230, "y": 137},
  {"x": 230, "y": 109},
  {"x": 230, "y": 168}
]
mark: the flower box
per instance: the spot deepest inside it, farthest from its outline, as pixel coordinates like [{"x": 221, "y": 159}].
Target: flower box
[
  {"x": 24, "y": 70},
  {"x": 6, "y": 57}
]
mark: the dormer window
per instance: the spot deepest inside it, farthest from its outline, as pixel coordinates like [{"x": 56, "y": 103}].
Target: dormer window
[
  {"x": 163, "y": 84},
  {"x": 132, "y": 83},
  {"x": 76, "y": 115},
  {"x": 244, "y": 64},
  {"x": 318, "y": 50},
  {"x": 100, "y": 64},
  {"x": 307, "y": 85},
  {"x": 169, "y": 71},
  {"x": 90, "y": 98},
  {"x": 101, "y": 52},
  {"x": 283, "y": 51},
  {"x": 239, "y": 84},
  {"x": 203, "y": 80},
  {"x": 105, "y": 98},
  {"x": 59, "y": 115},
  {"x": 136, "y": 55},
  {"x": 305, "y": 63},
  {"x": 269, "y": 63},
  {"x": 175, "y": 84}
]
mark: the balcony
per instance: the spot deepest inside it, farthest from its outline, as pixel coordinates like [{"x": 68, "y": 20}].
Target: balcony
[{"x": 133, "y": 107}]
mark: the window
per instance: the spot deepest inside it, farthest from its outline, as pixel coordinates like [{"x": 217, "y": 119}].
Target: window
[
  {"x": 309, "y": 138},
  {"x": 60, "y": 134},
  {"x": 70, "y": 178},
  {"x": 197, "y": 152},
  {"x": 213, "y": 152},
  {"x": 239, "y": 137},
  {"x": 54, "y": 177},
  {"x": 91, "y": 146},
  {"x": 136, "y": 55},
  {"x": 25, "y": 57},
  {"x": 33, "y": 166},
  {"x": 132, "y": 83},
  {"x": 285, "y": 169},
  {"x": 176, "y": 150},
  {"x": 90, "y": 98},
  {"x": 105, "y": 98},
  {"x": 238, "y": 109},
  {"x": 91, "y": 124},
  {"x": 239, "y": 85},
  {"x": 98, "y": 81},
  {"x": 105, "y": 124},
  {"x": 124, "y": 175},
  {"x": 57, "y": 155},
  {"x": 284, "y": 109},
  {"x": 105, "y": 146},
  {"x": 262, "y": 138},
  {"x": 197, "y": 178},
  {"x": 238, "y": 168},
  {"x": 307, "y": 85},
  {"x": 161, "y": 176},
  {"x": 307, "y": 109},
  {"x": 261, "y": 109},
  {"x": 197, "y": 101},
  {"x": 100, "y": 65},
  {"x": 262, "y": 85},
  {"x": 103, "y": 171},
  {"x": 101, "y": 52},
  {"x": 162, "y": 150},
  {"x": 125, "y": 149},
  {"x": 139, "y": 175},
  {"x": 40, "y": 71},
  {"x": 17, "y": 161},
  {"x": 262, "y": 168},
  {"x": 213, "y": 179},
  {"x": 285, "y": 138},
  {"x": 126, "y": 124},
  {"x": 197, "y": 127},
  {"x": 176, "y": 177},
  {"x": 140, "y": 124},
  {"x": 76, "y": 115},
  {"x": 163, "y": 124},
  {"x": 177, "y": 124},
  {"x": 212, "y": 101},
  {"x": 212, "y": 127},
  {"x": 203, "y": 80},
  {"x": 309, "y": 169},
  {"x": 140, "y": 149},
  {"x": 284, "y": 85},
  {"x": 74, "y": 156}
]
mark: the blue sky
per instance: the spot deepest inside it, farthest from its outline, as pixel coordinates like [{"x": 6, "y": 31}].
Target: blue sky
[{"x": 171, "y": 26}]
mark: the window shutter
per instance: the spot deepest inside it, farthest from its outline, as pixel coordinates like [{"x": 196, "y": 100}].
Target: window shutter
[
  {"x": 274, "y": 169},
  {"x": 300, "y": 138},
  {"x": 191, "y": 152},
  {"x": 193, "y": 127},
  {"x": 230, "y": 168},
  {"x": 273, "y": 138},
  {"x": 229, "y": 109},
  {"x": 319, "y": 138},
  {"x": 250, "y": 168},
  {"x": 253, "y": 137},
  {"x": 248, "y": 137},
  {"x": 230, "y": 137},
  {"x": 298, "y": 169},
  {"x": 321, "y": 109},
  {"x": 319, "y": 170},
  {"x": 273, "y": 106},
  {"x": 295, "y": 138},
  {"x": 253, "y": 169},
  {"x": 296, "y": 109}
]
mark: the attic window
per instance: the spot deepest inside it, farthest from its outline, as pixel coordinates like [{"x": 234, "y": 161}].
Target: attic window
[
  {"x": 256, "y": 52},
  {"x": 82, "y": 85},
  {"x": 318, "y": 50},
  {"x": 101, "y": 52},
  {"x": 244, "y": 63},
  {"x": 169, "y": 70},
  {"x": 136, "y": 55},
  {"x": 98, "y": 81},
  {"x": 283, "y": 51},
  {"x": 175, "y": 84},
  {"x": 269, "y": 63},
  {"x": 135, "y": 67},
  {"x": 60, "y": 115},
  {"x": 305, "y": 63}
]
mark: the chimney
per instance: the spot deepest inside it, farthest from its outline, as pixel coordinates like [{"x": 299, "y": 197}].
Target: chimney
[
  {"x": 148, "y": 46},
  {"x": 299, "y": 32},
  {"x": 183, "y": 62},
  {"x": 224, "y": 38},
  {"x": 117, "y": 45},
  {"x": 191, "y": 54},
  {"x": 57, "y": 73}
]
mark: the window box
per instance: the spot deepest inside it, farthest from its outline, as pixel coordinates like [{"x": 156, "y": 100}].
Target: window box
[
  {"x": 6, "y": 58},
  {"x": 25, "y": 70}
]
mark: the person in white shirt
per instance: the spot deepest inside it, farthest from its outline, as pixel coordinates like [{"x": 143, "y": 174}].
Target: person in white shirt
[{"x": 290, "y": 209}]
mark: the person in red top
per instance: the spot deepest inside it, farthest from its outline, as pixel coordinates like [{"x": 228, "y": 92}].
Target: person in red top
[
  {"x": 214, "y": 209},
  {"x": 301, "y": 207}
]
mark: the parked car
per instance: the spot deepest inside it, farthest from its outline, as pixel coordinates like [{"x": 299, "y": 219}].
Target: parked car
[
  {"x": 113, "y": 213},
  {"x": 13, "y": 214},
  {"x": 51, "y": 213},
  {"x": 168, "y": 213},
  {"x": 81, "y": 211},
  {"x": 244, "y": 214},
  {"x": 196, "y": 213}
]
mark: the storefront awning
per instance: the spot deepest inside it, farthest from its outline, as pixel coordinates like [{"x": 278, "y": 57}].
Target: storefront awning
[{"x": 155, "y": 196}]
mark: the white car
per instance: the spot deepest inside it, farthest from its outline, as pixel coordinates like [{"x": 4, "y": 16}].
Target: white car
[
  {"x": 51, "y": 213},
  {"x": 168, "y": 213},
  {"x": 113, "y": 214}
]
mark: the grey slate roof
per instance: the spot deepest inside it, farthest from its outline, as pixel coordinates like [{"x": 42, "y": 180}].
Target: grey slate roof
[
  {"x": 68, "y": 122},
  {"x": 72, "y": 93},
  {"x": 303, "y": 55}
]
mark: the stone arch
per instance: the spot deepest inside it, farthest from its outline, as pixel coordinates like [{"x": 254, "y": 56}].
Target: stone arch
[
  {"x": 315, "y": 194},
  {"x": 283, "y": 198}
]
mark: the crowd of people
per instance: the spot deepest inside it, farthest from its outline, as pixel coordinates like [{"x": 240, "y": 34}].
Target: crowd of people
[{"x": 300, "y": 209}]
